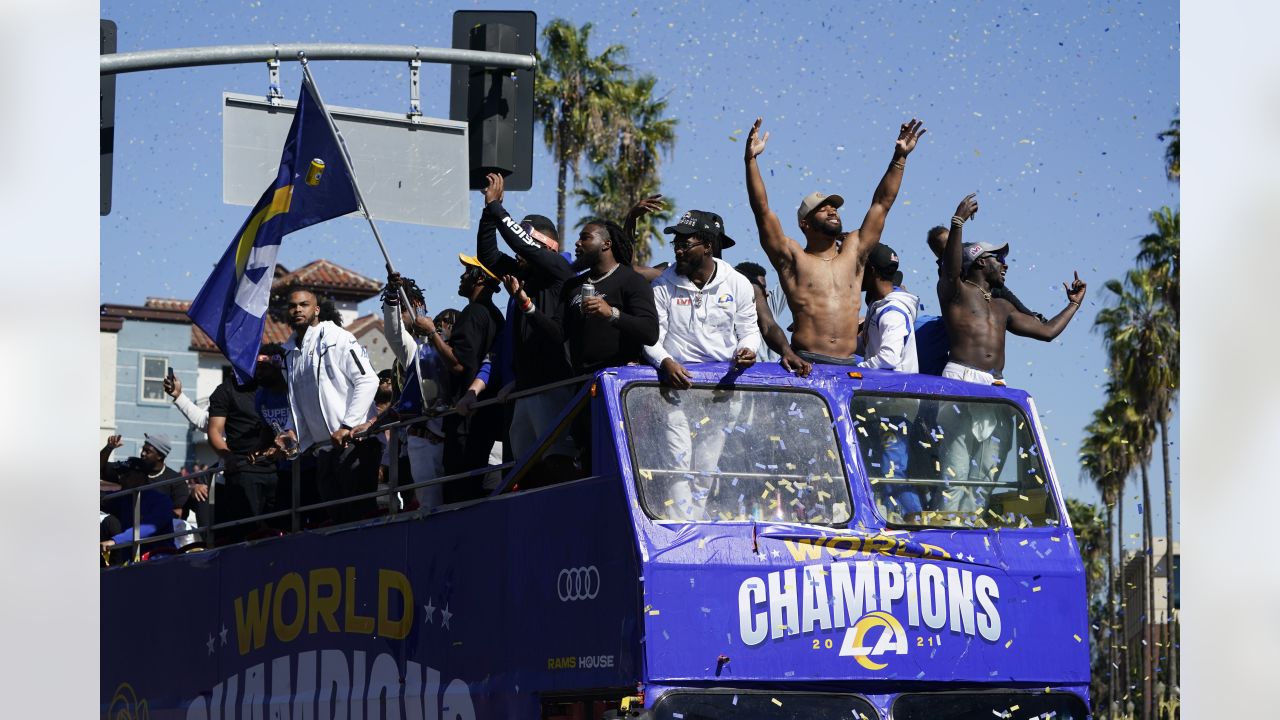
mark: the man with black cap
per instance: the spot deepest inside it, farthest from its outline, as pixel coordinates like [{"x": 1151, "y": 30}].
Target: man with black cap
[
  {"x": 823, "y": 279},
  {"x": 537, "y": 358},
  {"x": 888, "y": 343},
  {"x": 706, "y": 313},
  {"x": 976, "y": 319}
]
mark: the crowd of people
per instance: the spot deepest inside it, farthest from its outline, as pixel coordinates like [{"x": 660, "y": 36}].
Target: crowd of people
[{"x": 568, "y": 315}]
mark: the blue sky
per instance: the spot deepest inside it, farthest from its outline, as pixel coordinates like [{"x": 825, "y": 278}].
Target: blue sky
[{"x": 1048, "y": 110}]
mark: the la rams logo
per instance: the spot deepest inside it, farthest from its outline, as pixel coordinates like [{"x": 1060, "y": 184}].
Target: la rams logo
[{"x": 881, "y": 627}]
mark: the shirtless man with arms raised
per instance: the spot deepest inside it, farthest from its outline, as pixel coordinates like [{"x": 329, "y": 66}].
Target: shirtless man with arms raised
[
  {"x": 823, "y": 279},
  {"x": 976, "y": 320}
]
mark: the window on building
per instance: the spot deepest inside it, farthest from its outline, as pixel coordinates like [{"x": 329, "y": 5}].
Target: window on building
[{"x": 152, "y": 369}]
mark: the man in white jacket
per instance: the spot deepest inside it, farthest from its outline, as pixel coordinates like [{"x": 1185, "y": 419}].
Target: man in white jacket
[
  {"x": 331, "y": 389},
  {"x": 706, "y": 313},
  {"x": 888, "y": 342}
]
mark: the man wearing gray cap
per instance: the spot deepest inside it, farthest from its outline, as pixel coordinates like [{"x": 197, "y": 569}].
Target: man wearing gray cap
[
  {"x": 976, "y": 319},
  {"x": 159, "y": 506},
  {"x": 823, "y": 279}
]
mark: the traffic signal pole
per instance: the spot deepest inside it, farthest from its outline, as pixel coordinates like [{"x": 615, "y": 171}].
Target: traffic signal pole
[{"x": 263, "y": 52}]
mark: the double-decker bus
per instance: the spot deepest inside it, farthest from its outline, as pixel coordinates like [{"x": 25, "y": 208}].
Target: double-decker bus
[{"x": 847, "y": 545}]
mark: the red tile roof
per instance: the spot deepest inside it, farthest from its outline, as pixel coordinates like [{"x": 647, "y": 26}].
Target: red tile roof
[{"x": 328, "y": 278}]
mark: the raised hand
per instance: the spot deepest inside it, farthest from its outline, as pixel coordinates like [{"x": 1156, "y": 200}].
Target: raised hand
[
  {"x": 651, "y": 204},
  {"x": 114, "y": 442},
  {"x": 515, "y": 288},
  {"x": 968, "y": 207},
  {"x": 908, "y": 135},
  {"x": 1075, "y": 293},
  {"x": 493, "y": 191},
  {"x": 756, "y": 141},
  {"x": 172, "y": 386}
]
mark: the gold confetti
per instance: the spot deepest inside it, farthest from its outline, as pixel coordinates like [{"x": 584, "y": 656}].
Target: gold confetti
[
  {"x": 1035, "y": 589},
  {"x": 655, "y": 611},
  {"x": 1006, "y": 645},
  {"x": 776, "y": 701},
  {"x": 669, "y": 502},
  {"x": 1077, "y": 637},
  {"x": 1024, "y": 542},
  {"x": 705, "y": 420},
  {"x": 646, "y": 474}
]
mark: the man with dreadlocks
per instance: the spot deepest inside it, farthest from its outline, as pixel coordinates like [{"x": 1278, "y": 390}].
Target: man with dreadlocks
[
  {"x": 420, "y": 344},
  {"x": 606, "y": 327}
]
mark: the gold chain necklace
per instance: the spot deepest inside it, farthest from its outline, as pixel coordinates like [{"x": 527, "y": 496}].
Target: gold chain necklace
[{"x": 985, "y": 295}]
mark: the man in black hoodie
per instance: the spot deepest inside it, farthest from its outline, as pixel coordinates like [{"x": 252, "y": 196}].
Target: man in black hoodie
[{"x": 537, "y": 358}]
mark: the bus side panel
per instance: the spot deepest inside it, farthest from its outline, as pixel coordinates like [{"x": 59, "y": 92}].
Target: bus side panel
[{"x": 468, "y": 613}]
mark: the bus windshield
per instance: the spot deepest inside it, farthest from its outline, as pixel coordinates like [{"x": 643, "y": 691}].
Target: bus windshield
[
  {"x": 948, "y": 462},
  {"x": 715, "y": 704},
  {"x": 733, "y": 454},
  {"x": 1011, "y": 705}
]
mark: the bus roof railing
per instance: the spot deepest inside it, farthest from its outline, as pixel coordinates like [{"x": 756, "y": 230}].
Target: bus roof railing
[{"x": 296, "y": 509}]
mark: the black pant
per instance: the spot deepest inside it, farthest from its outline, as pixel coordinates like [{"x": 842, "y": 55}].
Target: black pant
[
  {"x": 467, "y": 442},
  {"x": 344, "y": 472},
  {"x": 248, "y": 491}
]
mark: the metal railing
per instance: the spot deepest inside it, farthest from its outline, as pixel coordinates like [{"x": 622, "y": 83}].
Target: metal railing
[{"x": 296, "y": 510}]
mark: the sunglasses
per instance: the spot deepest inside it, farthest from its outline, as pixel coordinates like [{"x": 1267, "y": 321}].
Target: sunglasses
[{"x": 684, "y": 245}]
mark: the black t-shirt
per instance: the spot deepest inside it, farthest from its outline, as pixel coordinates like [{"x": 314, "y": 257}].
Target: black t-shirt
[
  {"x": 246, "y": 432},
  {"x": 595, "y": 342},
  {"x": 133, "y": 473},
  {"x": 473, "y": 334}
]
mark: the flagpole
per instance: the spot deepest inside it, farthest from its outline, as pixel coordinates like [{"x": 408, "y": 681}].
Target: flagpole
[{"x": 355, "y": 186}]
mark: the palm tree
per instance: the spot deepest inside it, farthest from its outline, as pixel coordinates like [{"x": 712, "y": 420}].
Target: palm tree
[
  {"x": 1089, "y": 526},
  {"x": 627, "y": 165},
  {"x": 1159, "y": 258},
  {"x": 1159, "y": 254},
  {"x": 570, "y": 99},
  {"x": 1105, "y": 461},
  {"x": 1172, "y": 162},
  {"x": 1141, "y": 335}
]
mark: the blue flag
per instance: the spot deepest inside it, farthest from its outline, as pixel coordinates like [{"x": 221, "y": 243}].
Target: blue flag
[{"x": 312, "y": 185}]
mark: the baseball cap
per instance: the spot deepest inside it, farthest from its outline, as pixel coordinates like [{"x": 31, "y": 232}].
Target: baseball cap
[
  {"x": 545, "y": 228},
  {"x": 471, "y": 261},
  {"x": 883, "y": 259},
  {"x": 159, "y": 441},
  {"x": 700, "y": 221},
  {"x": 973, "y": 251},
  {"x": 813, "y": 201}
]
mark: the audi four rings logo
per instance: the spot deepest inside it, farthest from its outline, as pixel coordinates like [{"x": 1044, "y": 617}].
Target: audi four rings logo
[{"x": 581, "y": 583}]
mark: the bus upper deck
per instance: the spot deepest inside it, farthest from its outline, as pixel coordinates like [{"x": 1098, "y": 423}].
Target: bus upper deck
[{"x": 761, "y": 544}]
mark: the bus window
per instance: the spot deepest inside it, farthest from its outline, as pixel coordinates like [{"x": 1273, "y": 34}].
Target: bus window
[
  {"x": 710, "y": 454},
  {"x": 1012, "y": 705},
  {"x": 758, "y": 705},
  {"x": 952, "y": 462}
]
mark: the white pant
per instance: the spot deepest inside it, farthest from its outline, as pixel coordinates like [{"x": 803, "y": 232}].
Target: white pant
[
  {"x": 971, "y": 451},
  {"x": 696, "y": 447},
  {"x": 426, "y": 462},
  {"x": 956, "y": 371},
  {"x": 534, "y": 416}
]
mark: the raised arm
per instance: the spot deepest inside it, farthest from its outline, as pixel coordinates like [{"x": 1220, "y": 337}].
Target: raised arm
[
  {"x": 887, "y": 191},
  {"x": 401, "y": 341},
  {"x": 776, "y": 245},
  {"x": 521, "y": 242},
  {"x": 953, "y": 253},
  {"x": 487, "y": 251},
  {"x": 651, "y": 204},
  {"x": 1028, "y": 326}
]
